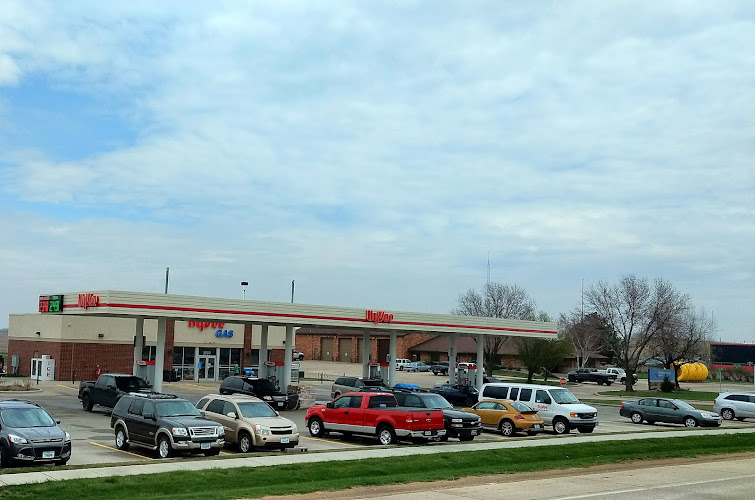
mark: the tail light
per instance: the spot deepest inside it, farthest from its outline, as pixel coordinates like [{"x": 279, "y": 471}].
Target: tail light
[
  {"x": 519, "y": 417},
  {"x": 622, "y": 405}
]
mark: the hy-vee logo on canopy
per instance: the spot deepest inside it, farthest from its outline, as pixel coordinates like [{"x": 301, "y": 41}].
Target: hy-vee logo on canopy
[{"x": 378, "y": 316}]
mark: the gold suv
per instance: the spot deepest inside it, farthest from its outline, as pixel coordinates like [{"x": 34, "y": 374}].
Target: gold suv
[{"x": 249, "y": 422}]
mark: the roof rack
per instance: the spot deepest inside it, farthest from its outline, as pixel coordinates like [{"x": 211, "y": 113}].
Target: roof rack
[{"x": 152, "y": 395}]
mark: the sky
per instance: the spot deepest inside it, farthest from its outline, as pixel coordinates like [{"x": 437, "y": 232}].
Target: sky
[{"x": 385, "y": 155}]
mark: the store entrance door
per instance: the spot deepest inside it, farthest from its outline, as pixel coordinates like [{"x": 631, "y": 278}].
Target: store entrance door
[{"x": 207, "y": 367}]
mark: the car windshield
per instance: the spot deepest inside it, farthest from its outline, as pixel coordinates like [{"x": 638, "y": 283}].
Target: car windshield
[
  {"x": 563, "y": 396},
  {"x": 256, "y": 409},
  {"x": 264, "y": 386},
  {"x": 27, "y": 417},
  {"x": 176, "y": 409},
  {"x": 683, "y": 404},
  {"x": 437, "y": 401},
  {"x": 129, "y": 384},
  {"x": 521, "y": 407}
]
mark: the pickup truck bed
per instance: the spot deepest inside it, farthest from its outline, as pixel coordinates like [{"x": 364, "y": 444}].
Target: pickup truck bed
[{"x": 108, "y": 389}]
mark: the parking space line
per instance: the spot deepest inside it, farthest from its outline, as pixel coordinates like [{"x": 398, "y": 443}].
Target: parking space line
[
  {"x": 68, "y": 387},
  {"x": 121, "y": 451},
  {"x": 331, "y": 442}
]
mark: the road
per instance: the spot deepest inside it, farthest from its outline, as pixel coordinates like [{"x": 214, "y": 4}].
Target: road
[{"x": 93, "y": 438}]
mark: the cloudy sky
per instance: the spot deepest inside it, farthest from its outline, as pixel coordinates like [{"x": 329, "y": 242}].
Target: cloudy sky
[{"x": 378, "y": 153}]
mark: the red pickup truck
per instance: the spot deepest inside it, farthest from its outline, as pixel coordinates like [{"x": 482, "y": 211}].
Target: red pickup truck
[{"x": 375, "y": 414}]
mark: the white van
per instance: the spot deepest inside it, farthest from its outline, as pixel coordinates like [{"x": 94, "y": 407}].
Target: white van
[{"x": 557, "y": 406}]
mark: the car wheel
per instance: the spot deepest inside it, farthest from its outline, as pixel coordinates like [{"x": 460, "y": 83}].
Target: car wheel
[
  {"x": 86, "y": 403},
  {"x": 316, "y": 428},
  {"x": 690, "y": 422},
  {"x": 245, "y": 442},
  {"x": 469, "y": 402},
  {"x": 727, "y": 414},
  {"x": 560, "y": 426},
  {"x": 164, "y": 449},
  {"x": 600, "y": 382},
  {"x": 443, "y": 437},
  {"x": 609, "y": 383},
  {"x": 5, "y": 459},
  {"x": 635, "y": 417},
  {"x": 120, "y": 439},
  {"x": 586, "y": 430},
  {"x": 386, "y": 435},
  {"x": 506, "y": 427}
]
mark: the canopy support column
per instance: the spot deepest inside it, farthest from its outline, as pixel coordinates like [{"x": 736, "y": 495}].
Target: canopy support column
[{"x": 366, "y": 354}]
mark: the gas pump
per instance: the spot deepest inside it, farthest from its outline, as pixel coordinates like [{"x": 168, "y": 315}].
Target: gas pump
[
  {"x": 466, "y": 376},
  {"x": 374, "y": 371},
  {"x": 272, "y": 371}
]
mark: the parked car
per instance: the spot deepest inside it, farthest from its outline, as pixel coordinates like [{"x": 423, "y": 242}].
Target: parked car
[
  {"x": 261, "y": 388},
  {"x": 458, "y": 424},
  {"x": 621, "y": 375},
  {"x": 108, "y": 389},
  {"x": 400, "y": 362},
  {"x": 591, "y": 375},
  {"x": 249, "y": 422},
  {"x": 376, "y": 414},
  {"x": 507, "y": 417},
  {"x": 355, "y": 384},
  {"x": 557, "y": 406},
  {"x": 165, "y": 423},
  {"x": 440, "y": 368},
  {"x": 297, "y": 355},
  {"x": 416, "y": 366},
  {"x": 731, "y": 405},
  {"x": 674, "y": 411},
  {"x": 466, "y": 366},
  {"x": 29, "y": 435},
  {"x": 461, "y": 395}
]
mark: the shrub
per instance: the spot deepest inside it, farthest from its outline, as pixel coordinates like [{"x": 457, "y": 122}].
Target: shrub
[{"x": 667, "y": 385}]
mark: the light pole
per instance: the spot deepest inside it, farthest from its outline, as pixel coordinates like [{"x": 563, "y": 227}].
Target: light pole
[
  {"x": 243, "y": 289},
  {"x": 292, "y": 291}
]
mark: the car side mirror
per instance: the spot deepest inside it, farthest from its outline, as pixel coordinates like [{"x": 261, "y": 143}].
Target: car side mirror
[
  {"x": 57, "y": 422},
  {"x": 149, "y": 415},
  {"x": 329, "y": 405}
]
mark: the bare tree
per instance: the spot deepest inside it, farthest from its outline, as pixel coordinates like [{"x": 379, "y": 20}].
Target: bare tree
[
  {"x": 684, "y": 338},
  {"x": 497, "y": 300},
  {"x": 636, "y": 312},
  {"x": 543, "y": 354},
  {"x": 586, "y": 333}
]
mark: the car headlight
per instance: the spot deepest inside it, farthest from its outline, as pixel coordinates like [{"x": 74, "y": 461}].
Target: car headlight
[
  {"x": 294, "y": 429},
  {"x": 261, "y": 429},
  {"x": 179, "y": 431},
  {"x": 267, "y": 398},
  {"x": 707, "y": 415},
  {"x": 68, "y": 437},
  {"x": 220, "y": 431},
  {"x": 17, "y": 439}
]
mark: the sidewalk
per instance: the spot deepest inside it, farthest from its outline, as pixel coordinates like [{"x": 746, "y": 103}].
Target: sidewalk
[{"x": 300, "y": 458}]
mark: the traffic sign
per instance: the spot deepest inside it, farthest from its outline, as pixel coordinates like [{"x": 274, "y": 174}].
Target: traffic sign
[{"x": 562, "y": 381}]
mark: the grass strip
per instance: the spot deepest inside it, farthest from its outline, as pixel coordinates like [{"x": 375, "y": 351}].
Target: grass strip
[{"x": 330, "y": 476}]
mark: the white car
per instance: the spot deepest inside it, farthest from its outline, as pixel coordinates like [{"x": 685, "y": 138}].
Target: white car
[{"x": 401, "y": 362}]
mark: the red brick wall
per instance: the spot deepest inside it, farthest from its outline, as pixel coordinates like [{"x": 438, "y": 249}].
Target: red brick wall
[
  {"x": 309, "y": 344},
  {"x": 170, "y": 334},
  {"x": 111, "y": 357},
  {"x": 246, "y": 352}
]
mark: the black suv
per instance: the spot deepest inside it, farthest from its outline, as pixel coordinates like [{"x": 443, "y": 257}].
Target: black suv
[
  {"x": 28, "y": 434},
  {"x": 261, "y": 388},
  {"x": 164, "y": 423},
  {"x": 458, "y": 424}
]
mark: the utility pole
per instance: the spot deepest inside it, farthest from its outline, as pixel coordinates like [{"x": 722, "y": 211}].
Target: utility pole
[
  {"x": 167, "y": 271},
  {"x": 292, "y": 291}
]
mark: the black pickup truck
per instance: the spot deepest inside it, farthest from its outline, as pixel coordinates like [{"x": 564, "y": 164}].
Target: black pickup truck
[
  {"x": 591, "y": 375},
  {"x": 108, "y": 389},
  {"x": 457, "y": 423}
]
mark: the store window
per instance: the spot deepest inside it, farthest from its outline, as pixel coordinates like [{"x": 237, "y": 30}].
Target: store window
[{"x": 229, "y": 360}]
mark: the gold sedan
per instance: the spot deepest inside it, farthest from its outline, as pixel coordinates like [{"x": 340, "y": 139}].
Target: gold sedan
[{"x": 506, "y": 416}]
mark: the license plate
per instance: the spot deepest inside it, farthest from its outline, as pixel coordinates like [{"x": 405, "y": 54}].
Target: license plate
[
  {"x": 536, "y": 426},
  {"x": 428, "y": 433},
  {"x": 205, "y": 446},
  {"x": 284, "y": 440},
  {"x": 474, "y": 433},
  {"x": 280, "y": 403},
  {"x": 48, "y": 454}
]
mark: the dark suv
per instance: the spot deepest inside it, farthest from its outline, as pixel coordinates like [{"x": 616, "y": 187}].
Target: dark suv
[
  {"x": 261, "y": 388},
  {"x": 458, "y": 424},
  {"x": 28, "y": 434},
  {"x": 356, "y": 384},
  {"x": 164, "y": 423}
]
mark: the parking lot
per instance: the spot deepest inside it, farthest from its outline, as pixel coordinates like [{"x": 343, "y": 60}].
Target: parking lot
[{"x": 93, "y": 440}]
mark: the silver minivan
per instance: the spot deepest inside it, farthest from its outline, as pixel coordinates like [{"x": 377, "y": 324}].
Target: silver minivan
[
  {"x": 739, "y": 405},
  {"x": 557, "y": 406}
]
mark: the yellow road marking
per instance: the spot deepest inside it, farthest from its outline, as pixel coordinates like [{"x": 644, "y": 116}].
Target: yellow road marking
[
  {"x": 122, "y": 451},
  {"x": 332, "y": 442},
  {"x": 68, "y": 387}
]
